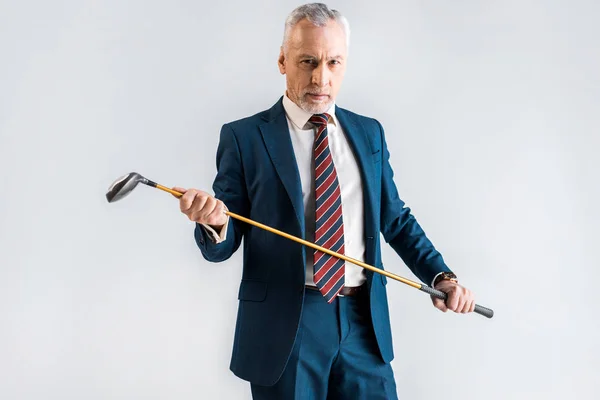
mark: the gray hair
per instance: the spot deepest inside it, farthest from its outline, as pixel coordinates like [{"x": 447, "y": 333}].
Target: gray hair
[{"x": 319, "y": 15}]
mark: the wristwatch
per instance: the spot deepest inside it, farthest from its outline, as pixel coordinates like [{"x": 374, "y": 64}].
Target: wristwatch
[{"x": 447, "y": 276}]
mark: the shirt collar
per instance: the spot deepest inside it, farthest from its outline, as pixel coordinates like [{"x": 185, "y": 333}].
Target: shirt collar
[{"x": 299, "y": 117}]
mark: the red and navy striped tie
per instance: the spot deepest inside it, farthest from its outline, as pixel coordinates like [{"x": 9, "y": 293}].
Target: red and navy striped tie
[{"x": 329, "y": 228}]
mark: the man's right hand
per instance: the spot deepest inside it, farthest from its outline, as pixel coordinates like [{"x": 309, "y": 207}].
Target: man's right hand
[{"x": 202, "y": 208}]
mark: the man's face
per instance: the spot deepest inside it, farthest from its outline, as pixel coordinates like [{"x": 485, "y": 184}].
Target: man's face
[{"x": 314, "y": 62}]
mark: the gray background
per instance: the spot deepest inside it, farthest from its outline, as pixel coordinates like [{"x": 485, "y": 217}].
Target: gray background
[{"x": 491, "y": 114}]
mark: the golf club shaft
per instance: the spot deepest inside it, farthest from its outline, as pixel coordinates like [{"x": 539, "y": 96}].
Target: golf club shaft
[
  {"x": 166, "y": 189},
  {"x": 486, "y": 312}
]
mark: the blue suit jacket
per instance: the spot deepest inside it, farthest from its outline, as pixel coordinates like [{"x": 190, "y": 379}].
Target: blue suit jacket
[{"x": 258, "y": 178}]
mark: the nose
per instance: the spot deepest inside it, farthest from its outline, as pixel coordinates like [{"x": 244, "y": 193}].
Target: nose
[{"x": 320, "y": 76}]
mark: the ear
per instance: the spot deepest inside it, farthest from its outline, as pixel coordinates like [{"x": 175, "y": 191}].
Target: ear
[{"x": 281, "y": 61}]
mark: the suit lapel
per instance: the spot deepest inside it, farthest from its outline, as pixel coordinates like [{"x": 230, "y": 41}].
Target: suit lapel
[{"x": 275, "y": 133}]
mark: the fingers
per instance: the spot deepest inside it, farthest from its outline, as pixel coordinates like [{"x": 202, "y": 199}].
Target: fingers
[
  {"x": 439, "y": 304},
  {"x": 468, "y": 303},
  {"x": 453, "y": 300},
  {"x": 201, "y": 207},
  {"x": 217, "y": 215},
  {"x": 187, "y": 201},
  {"x": 468, "y": 307},
  {"x": 460, "y": 299},
  {"x": 460, "y": 304}
]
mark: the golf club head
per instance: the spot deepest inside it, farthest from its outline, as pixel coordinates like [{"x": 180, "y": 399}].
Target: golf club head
[{"x": 123, "y": 186}]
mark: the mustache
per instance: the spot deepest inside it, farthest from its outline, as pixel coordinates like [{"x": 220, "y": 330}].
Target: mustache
[{"x": 316, "y": 91}]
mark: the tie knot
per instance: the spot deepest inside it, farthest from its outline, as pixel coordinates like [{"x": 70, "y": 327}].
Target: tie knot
[{"x": 319, "y": 119}]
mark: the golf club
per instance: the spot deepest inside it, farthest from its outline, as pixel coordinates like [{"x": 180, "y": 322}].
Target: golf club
[{"x": 125, "y": 185}]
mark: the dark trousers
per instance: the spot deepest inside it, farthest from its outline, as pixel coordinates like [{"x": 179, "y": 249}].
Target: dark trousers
[{"x": 335, "y": 356}]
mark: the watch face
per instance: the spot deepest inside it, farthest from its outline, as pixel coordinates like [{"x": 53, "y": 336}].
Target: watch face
[{"x": 449, "y": 276}]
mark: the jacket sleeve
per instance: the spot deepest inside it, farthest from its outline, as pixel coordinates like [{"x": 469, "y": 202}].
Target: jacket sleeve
[
  {"x": 402, "y": 231},
  {"x": 229, "y": 187}
]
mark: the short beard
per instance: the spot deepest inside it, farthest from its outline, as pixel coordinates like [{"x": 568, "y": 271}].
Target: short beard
[{"x": 314, "y": 108}]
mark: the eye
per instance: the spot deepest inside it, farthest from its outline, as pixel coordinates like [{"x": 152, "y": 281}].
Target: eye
[{"x": 335, "y": 62}]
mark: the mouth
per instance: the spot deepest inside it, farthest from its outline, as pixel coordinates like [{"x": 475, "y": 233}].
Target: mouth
[{"x": 318, "y": 96}]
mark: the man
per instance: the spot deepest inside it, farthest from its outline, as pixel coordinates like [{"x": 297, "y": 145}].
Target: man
[{"x": 310, "y": 325}]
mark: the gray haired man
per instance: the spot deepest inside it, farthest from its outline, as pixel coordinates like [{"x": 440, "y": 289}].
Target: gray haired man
[{"x": 311, "y": 326}]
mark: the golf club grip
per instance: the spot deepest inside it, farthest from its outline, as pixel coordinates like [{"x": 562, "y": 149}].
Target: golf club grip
[{"x": 486, "y": 312}]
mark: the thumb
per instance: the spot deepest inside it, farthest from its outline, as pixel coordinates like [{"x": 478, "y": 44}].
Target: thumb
[
  {"x": 178, "y": 189},
  {"x": 439, "y": 304}
]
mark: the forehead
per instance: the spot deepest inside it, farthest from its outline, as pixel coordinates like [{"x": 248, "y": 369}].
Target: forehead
[{"x": 306, "y": 37}]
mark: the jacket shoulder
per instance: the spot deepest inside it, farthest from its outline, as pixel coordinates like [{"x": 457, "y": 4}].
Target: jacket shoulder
[
  {"x": 257, "y": 119},
  {"x": 246, "y": 122},
  {"x": 368, "y": 122}
]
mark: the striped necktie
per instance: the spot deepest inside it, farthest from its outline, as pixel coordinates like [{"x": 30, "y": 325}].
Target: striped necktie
[{"x": 329, "y": 227}]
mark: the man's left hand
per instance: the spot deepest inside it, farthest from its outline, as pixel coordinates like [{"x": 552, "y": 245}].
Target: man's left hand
[{"x": 460, "y": 299}]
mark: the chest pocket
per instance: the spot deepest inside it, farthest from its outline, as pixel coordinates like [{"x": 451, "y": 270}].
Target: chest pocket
[{"x": 376, "y": 156}]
